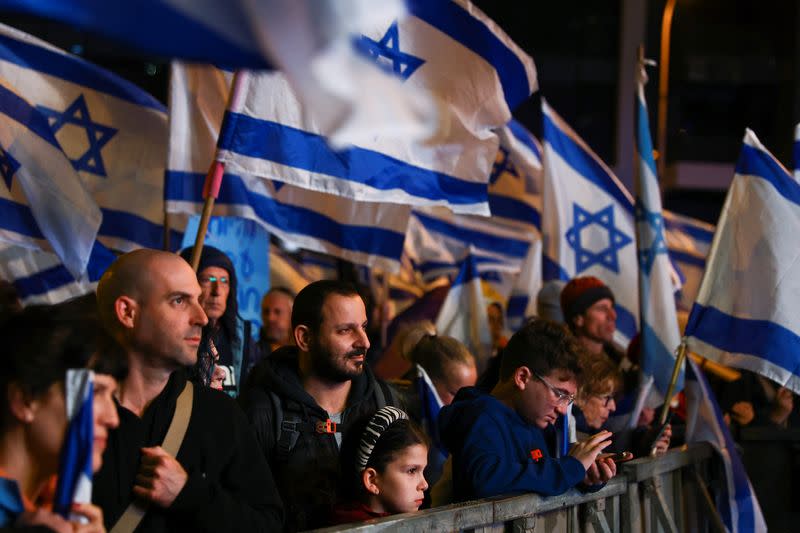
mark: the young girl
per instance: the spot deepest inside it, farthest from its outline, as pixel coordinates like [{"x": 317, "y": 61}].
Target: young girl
[{"x": 383, "y": 458}]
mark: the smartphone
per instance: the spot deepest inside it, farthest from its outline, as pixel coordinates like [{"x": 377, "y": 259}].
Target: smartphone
[
  {"x": 662, "y": 429},
  {"x": 621, "y": 457}
]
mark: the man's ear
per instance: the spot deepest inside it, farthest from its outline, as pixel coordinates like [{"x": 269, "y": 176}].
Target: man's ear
[
  {"x": 302, "y": 337},
  {"x": 579, "y": 321},
  {"x": 22, "y": 407},
  {"x": 369, "y": 478},
  {"x": 522, "y": 376},
  {"x": 126, "y": 310}
]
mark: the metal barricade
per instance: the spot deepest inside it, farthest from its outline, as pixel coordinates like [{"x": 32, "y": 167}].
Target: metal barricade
[{"x": 649, "y": 494}]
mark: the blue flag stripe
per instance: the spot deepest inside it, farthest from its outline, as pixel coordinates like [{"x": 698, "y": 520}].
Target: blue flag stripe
[
  {"x": 683, "y": 257},
  {"x": 694, "y": 232},
  {"x": 151, "y": 26},
  {"x": 585, "y": 165},
  {"x": 626, "y": 322},
  {"x": 57, "y": 276},
  {"x": 755, "y": 162},
  {"x": 507, "y": 207},
  {"x": 22, "y": 112},
  {"x": 504, "y": 245},
  {"x": 645, "y": 143},
  {"x": 517, "y": 305},
  {"x": 553, "y": 270},
  {"x": 661, "y": 361},
  {"x": 524, "y": 136},
  {"x": 429, "y": 266},
  {"x": 452, "y": 19},
  {"x": 762, "y": 338},
  {"x": 187, "y": 186},
  {"x": 75, "y": 70},
  {"x": 467, "y": 273},
  {"x": 133, "y": 228},
  {"x": 293, "y": 147},
  {"x": 19, "y": 219}
]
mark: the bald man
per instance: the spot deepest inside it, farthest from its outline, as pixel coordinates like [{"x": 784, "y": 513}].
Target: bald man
[{"x": 219, "y": 480}]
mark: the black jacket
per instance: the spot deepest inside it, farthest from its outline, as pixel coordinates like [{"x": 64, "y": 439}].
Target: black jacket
[
  {"x": 230, "y": 487},
  {"x": 305, "y": 462}
]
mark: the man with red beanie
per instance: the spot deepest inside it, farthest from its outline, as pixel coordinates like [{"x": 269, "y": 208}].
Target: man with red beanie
[{"x": 588, "y": 307}]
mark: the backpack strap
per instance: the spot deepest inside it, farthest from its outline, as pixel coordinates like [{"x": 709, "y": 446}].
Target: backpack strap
[{"x": 134, "y": 513}]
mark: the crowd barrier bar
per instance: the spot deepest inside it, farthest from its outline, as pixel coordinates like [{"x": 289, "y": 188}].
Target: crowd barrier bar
[{"x": 651, "y": 494}]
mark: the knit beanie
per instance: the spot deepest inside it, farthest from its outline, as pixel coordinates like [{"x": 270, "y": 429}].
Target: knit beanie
[{"x": 580, "y": 294}]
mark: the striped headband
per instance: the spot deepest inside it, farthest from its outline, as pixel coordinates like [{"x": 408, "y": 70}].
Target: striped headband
[{"x": 380, "y": 422}]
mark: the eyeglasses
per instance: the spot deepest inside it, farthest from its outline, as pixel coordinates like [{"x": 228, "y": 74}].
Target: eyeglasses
[
  {"x": 208, "y": 280},
  {"x": 605, "y": 398},
  {"x": 562, "y": 397}
]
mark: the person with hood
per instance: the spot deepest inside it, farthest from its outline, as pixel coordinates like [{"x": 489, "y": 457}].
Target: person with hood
[
  {"x": 227, "y": 351},
  {"x": 505, "y": 442},
  {"x": 301, "y": 399}
]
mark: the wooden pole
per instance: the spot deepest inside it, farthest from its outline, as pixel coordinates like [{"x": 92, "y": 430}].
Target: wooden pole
[
  {"x": 676, "y": 371},
  {"x": 217, "y": 169}
]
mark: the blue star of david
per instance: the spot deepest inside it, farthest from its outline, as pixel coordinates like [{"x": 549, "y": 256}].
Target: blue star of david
[
  {"x": 655, "y": 222},
  {"x": 97, "y": 134},
  {"x": 8, "y": 166},
  {"x": 607, "y": 257},
  {"x": 386, "y": 53},
  {"x": 502, "y": 163}
]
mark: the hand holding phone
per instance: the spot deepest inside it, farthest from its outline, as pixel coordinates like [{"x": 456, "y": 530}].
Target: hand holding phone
[{"x": 621, "y": 457}]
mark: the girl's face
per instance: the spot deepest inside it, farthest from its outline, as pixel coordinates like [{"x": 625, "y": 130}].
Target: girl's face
[{"x": 402, "y": 484}]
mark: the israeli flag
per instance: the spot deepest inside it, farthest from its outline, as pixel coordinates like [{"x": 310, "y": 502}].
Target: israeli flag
[
  {"x": 365, "y": 233},
  {"x": 43, "y": 201},
  {"x": 446, "y": 49},
  {"x": 688, "y": 242},
  {"x": 522, "y": 302},
  {"x": 114, "y": 134},
  {"x": 660, "y": 335},
  {"x": 515, "y": 185},
  {"x": 75, "y": 469},
  {"x": 463, "y": 313},
  {"x": 437, "y": 241},
  {"x": 746, "y": 314},
  {"x": 737, "y": 503},
  {"x": 588, "y": 221},
  {"x": 41, "y": 278}
]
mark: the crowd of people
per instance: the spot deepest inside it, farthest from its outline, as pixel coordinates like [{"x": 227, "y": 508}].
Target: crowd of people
[{"x": 199, "y": 427}]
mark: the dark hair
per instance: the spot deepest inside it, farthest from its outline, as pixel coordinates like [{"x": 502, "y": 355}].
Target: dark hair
[
  {"x": 42, "y": 342},
  {"x": 307, "y": 308},
  {"x": 398, "y": 436},
  {"x": 542, "y": 346},
  {"x": 435, "y": 353}
]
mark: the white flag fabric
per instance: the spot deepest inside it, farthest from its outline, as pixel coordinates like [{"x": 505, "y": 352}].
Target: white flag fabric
[
  {"x": 660, "y": 335},
  {"x": 114, "y": 133},
  {"x": 43, "y": 201},
  {"x": 688, "y": 242},
  {"x": 737, "y": 503},
  {"x": 437, "y": 241},
  {"x": 523, "y": 299},
  {"x": 588, "y": 220},
  {"x": 41, "y": 277},
  {"x": 746, "y": 314},
  {"x": 366, "y": 233},
  {"x": 448, "y": 49},
  {"x": 463, "y": 314}
]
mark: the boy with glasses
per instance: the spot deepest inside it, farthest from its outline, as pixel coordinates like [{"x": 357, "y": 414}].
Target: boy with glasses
[{"x": 505, "y": 442}]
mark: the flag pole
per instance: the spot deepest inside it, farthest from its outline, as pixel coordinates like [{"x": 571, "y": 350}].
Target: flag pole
[
  {"x": 217, "y": 169},
  {"x": 676, "y": 371}
]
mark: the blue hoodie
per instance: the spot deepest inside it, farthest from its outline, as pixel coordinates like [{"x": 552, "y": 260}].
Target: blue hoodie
[{"x": 494, "y": 451}]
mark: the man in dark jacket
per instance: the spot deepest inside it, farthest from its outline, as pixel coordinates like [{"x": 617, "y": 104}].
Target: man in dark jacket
[
  {"x": 227, "y": 345},
  {"x": 218, "y": 480},
  {"x": 505, "y": 442},
  {"x": 301, "y": 398}
]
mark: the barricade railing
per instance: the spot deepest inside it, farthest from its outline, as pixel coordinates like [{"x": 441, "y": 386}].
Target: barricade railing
[{"x": 649, "y": 494}]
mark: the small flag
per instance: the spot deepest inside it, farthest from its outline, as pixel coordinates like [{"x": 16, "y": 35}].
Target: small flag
[{"x": 75, "y": 470}]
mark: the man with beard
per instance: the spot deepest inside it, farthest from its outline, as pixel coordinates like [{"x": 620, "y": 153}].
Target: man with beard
[{"x": 301, "y": 399}]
